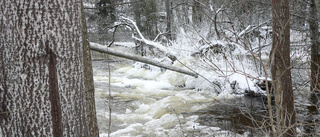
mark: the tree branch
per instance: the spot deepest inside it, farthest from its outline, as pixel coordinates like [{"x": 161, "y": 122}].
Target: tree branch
[{"x": 107, "y": 50}]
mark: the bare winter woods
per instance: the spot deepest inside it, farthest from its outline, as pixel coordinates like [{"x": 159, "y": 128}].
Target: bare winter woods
[{"x": 261, "y": 50}]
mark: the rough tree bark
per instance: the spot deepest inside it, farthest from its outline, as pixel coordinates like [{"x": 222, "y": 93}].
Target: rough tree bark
[
  {"x": 280, "y": 69},
  {"x": 88, "y": 80},
  {"x": 42, "y": 90},
  {"x": 315, "y": 47}
]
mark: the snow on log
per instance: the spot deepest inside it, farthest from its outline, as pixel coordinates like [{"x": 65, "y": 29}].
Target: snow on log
[{"x": 107, "y": 50}]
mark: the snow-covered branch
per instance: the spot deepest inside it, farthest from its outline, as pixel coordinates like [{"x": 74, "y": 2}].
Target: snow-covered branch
[
  {"x": 151, "y": 43},
  {"x": 251, "y": 28}
]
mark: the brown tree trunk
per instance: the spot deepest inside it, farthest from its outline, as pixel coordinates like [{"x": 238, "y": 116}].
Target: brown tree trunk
[
  {"x": 42, "y": 77},
  {"x": 88, "y": 82},
  {"x": 280, "y": 69},
  {"x": 315, "y": 50}
]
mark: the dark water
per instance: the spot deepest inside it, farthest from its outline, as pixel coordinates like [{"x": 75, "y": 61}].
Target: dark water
[
  {"x": 247, "y": 114},
  {"x": 239, "y": 115}
]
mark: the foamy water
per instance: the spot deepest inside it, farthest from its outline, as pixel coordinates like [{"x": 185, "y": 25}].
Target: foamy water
[{"x": 149, "y": 103}]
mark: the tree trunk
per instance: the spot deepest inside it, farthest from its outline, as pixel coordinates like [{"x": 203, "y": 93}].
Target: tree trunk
[
  {"x": 315, "y": 50},
  {"x": 168, "y": 11},
  {"x": 137, "y": 14},
  {"x": 185, "y": 11},
  {"x": 42, "y": 77},
  {"x": 150, "y": 24},
  {"x": 196, "y": 15},
  {"x": 280, "y": 69},
  {"x": 88, "y": 82}
]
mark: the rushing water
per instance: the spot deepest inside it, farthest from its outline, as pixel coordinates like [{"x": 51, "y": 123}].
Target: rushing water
[{"x": 144, "y": 103}]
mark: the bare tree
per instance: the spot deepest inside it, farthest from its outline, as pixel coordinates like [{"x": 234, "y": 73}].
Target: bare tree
[
  {"x": 168, "y": 11},
  {"x": 42, "y": 78},
  {"x": 280, "y": 69},
  {"x": 196, "y": 12},
  {"x": 315, "y": 50},
  {"x": 137, "y": 14}
]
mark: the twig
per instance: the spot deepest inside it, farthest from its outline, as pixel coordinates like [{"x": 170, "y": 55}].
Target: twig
[
  {"x": 110, "y": 98},
  {"x": 179, "y": 121}
]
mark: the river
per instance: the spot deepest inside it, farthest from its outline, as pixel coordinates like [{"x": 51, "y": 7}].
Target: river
[{"x": 145, "y": 103}]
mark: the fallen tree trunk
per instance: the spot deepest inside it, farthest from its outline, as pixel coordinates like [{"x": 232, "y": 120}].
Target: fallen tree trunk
[{"x": 140, "y": 59}]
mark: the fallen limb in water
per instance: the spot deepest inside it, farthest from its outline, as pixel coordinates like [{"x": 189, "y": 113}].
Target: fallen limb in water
[{"x": 107, "y": 50}]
